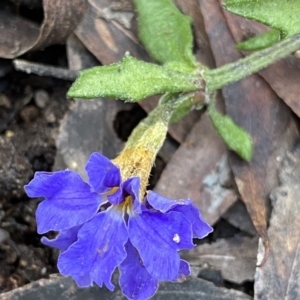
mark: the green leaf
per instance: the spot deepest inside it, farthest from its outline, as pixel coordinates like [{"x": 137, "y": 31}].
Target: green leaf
[
  {"x": 234, "y": 136},
  {"x": 282, "y": 15},
  {"x": 131, "y": 80},
  {"x": 261, "y": 41},
  {"x": 166, "y": 32}
]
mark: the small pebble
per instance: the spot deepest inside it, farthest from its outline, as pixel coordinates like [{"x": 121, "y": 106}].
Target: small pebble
[
  {"x": 41, "y": 98},
  {"x": 9, "y": 133},
  {"x": 29, "y": 113},
  {"x": 4, "y": 235},
  {"x": 4, "y": 101},
  {"x": 50, "y": 117},
  {"x": 23, "y": 263}
]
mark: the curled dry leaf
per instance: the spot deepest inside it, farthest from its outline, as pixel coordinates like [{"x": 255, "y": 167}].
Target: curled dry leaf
[
  {"x": 19, "y": 35},
  {"x": 278, "y": 278}
]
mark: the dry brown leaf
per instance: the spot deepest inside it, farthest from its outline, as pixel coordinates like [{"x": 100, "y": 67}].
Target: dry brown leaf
[
  {"x": 234, "y": 257},
  {"x": 15, "y": 33},
  {"x": 198, "y": 170},
  {"x": 79, "y": 58},
  {"x": 107, "y": 39},
  {"x": 19, "y": 36},
  {"x": 279, "y": 277},
  {"x": 253, "y": 106},
  {"x": 238, "y": 216}
]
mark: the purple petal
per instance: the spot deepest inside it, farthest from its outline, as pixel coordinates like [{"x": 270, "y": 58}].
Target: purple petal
[
  {"x": 136, "y": 283},
  {"x": 200, "y": 228},
  {"x": 132, "y": 187},
  {"x": 184, "y": 271},
  {"x": 63, "y": 240},
  {"x": 47, "y": 184},
  {"x": 157, "y": 237},
  {"x": 103, "y": 174},
  {"x": 163, "y": 204},
  {"x": 117, "y": 197},
  {"x": 98, "y": 250},
  {"x": 185, "y": 206},
  {"x": 68, "y": 200}
]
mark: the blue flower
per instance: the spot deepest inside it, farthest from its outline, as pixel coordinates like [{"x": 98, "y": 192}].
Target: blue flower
[{"x": 104, "y": 225}]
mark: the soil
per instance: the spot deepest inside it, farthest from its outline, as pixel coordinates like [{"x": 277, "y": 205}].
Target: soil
[{"x": 30, "y": 110}]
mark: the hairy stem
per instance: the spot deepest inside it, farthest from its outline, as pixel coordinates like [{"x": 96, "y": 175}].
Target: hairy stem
[{"x": 217, "y": 78}]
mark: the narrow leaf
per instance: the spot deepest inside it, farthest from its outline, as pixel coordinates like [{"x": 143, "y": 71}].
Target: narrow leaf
[
  {"x": 261, "y": 41},
  {"x": 278, "y": 14},
  {"x": 166, "y": 32},
  {"x": 234, "y": 136},
  {"x": 131, "y": 80}
]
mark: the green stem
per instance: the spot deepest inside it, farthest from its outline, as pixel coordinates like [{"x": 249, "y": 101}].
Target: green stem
[
  {"x": 217, "y": 78},
  {"x": 160, "y": 114}
]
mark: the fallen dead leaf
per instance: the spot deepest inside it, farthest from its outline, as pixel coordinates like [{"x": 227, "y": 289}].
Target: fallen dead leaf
[
  {"x": 238, "y": 216},
  {"x": 107, "y": 39},
  {"x": 234, "y": 257},
  {"x": 279, "y": 277}
]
